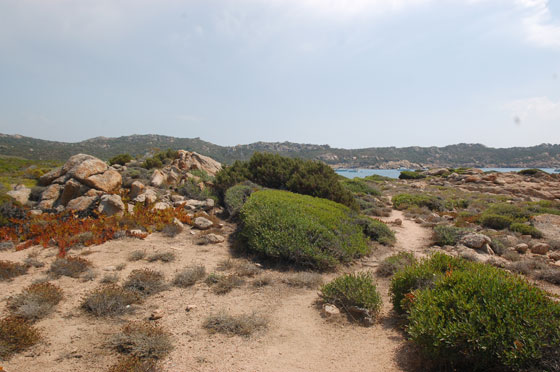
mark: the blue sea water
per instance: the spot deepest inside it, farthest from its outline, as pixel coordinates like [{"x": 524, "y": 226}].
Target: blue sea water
[{"x": 394, "y": 173}]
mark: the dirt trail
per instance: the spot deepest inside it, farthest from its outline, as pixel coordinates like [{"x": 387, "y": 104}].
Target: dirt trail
[{"x": 411, "y": 237}]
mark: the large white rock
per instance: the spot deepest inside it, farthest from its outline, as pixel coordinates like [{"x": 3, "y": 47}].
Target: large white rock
[
  {"x": 475, "y": 240},
  {"x": 109, "y": 181},
  {"x": 20, "y": 193},
  {"x": 111, "y": 205}
]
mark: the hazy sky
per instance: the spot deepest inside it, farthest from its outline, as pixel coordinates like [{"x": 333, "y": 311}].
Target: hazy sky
[{"x": 346, "y": 73}]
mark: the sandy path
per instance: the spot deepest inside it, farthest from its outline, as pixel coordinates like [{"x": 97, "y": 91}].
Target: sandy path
[{"x": 411, "y": 237}]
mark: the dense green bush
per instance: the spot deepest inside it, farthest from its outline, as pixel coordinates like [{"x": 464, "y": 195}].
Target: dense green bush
[
  {"x": 404, "y": 201},
  {"x": 159, "y": 159},
  {"x": 411, "y": 175},
  {"x": 526, "y": 230},
  {"x": 378, "y": 231},
  {"x": 274, "y": 171},
  {"x": 191, "y": 190},
  {"x": 530, "y": 172},
  {"x": 447, "y": 235},
  {"x": 495, "y": 221},
  {"x": 237, "y": 195},
  {"x": 482, "y": 318},
  {"x": 305, "y": 230},
  {"x": 356, "y": 290},
  {"x": 121, "y": 159},
  {"x": 359, "y": 186},
  {"x": 421, "y": 275}
]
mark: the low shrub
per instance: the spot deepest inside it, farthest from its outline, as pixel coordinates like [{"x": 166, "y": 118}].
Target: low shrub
[
  {"x": 527, "y": 266},
  {"x": 482, "y": 318},
  {"x": 120, "y": 159},
  {"x": 109, "y": 300},
  {"x": 530, "y": 172},
  {"x": 134, "y": 364},
  {"x": 69, "y": 266},
  {"x": 36, "y": 301},
  {"x": 447, "y": 235},
  {"x": 189, "y": 276},
  {"x": 263, "y": 281},
  {"x": 145, "y": 282},
  {"x": 304, "y": 279},
  {"x": 411, "y": 175},
  {"x": 353, "y": 292},
  {"x": 306, "y": 177},
  {"x": 405, "y": 201},
  {"x": 394, "y": 263},
  {"x": 526, "y": 230},
  {"x": 9, "y": 270},
  {"x": 420, "y": 275},
  {"x": 240, "y": 325},
  {"x": 136, "y": 255},
  {"x": 359, "y": 186},
  {"x": 16, "y": 335},
  {"x": 304, "y": 230},
  {"x": 236, "y": 196},
  {"x": 502, "y": 215},
  {"x": 143, "y": 340},
  {"x": 378, "y": 231},
  {"x": 161, "y": 256},
  {"x": 222, "y": 284},
  {"x": 495, "y": 221},
  {"x": 110, "y": 278}
]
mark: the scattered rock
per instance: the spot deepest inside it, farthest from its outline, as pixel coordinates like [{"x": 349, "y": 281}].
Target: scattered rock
[
  {"x": 397, "y": 222},
  {"x": 72, "y": 189},
  {"x": 109, "y": 181},
  {"x": 330, "y": 310},
  {"x": 80, "y": 203},
  {"x": 111, "y": 205},
  {"x": 554, "y": 255},
  {"x": 157, "y": 314},
  {"x": 160, "y": 206},
  {"x": 487, "y": 249},
  {"x": 521, "y": 248},
  {"x": 136, "y": 189},
  {"x": 158, "y": 178},
  {"x": 20, "y": 193},
  {"x": 475, "y": 240},
  {"x": 48, "y": 178},
  {"x": 89, "y": 167},
  {"x": 202, "y": 223},
  {"x": 211, "y": 239},
  {"x": 540, "y": 248}
]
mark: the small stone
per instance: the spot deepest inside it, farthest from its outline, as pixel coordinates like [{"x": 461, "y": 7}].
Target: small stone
[
  {"x": 397, "y": 222},
  {"x": 160, "y": 206},
  {"x": 190, "y": 307},
  {"x": 202, "y": 223},
  {"x": 540, "y": 248},
  {"x": 330, "y": 310},
  {"x": 521, "y": 248},
  {"x": 475, "y": 241},
  {"x": 554, "y": 255},
  {"x": 157, "y": 314}
]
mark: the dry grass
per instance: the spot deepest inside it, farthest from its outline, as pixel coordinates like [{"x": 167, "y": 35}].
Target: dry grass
[
  {"x": 9, "y": 270},
  {"x": 222, "y": 284},
  {"x": 145, "y": 282},
  {"x": 189, "y": 276},
  {"x": 142, "y": 340},
  {"x": 263, "y": 281},
  {"x": 241, "y": 268},
  {"x": 512, "y": 256},
  {"x": 134, "y": 364},
  {"x": 110, "y": 300},
  {"x": 304, "y": 280},
  {"x": 241, "y": 325},
  {"x": 110, "y": 278},
  {"x": 16, "y": 335},
  {"x": 69, "y": 266},
  {"x": 394, "y": 263},
  {"x": 550, "y": 274},
  {"x": 225, "y": 265},
  {"x": 31, "y": 261},
  {"x": 136, "y": 255},
  {"x": 36, "y": 301},
  {"x": 162, "y": 256}
]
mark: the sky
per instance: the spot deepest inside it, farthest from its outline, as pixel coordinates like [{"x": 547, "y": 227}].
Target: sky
[{"x": 348, "y": 73}]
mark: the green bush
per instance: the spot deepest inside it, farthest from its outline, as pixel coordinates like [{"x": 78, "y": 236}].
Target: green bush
[
  {"x": 152, "y": 163},
  {"x": 159, "y": 159},
  {"x": 359, "y": 186},
  {"x": 404, "y": 201},
  {"x": 526, "y": 230},
  {"x": 351, "y": 291},
  {"x": 296, "y": 175},
  {"x": 420, "y": 275},
  {"x": 394, "y": 263},
  {"x": 410, "y": 175},
  {"x": 121, "y": 159},
  {"x": 378, "y": 231},
  {"x": 495, "y": 221},
  {"x": 237, "y": 195},
  {"x": 447, "y": 235},
  {"x": 308, "y": 231},
  {"x": 530, "y": 172},
  {"x": 482, "y": 318}
]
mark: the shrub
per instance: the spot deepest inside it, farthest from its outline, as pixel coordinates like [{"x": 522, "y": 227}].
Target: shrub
[
  {"x": 109, "y": 300},
  {"x": 121, "y": 159},
  {"x": 263, "y": 281},
  {"x": 189, "y": 276},
  {"x": 447, "y": 235},
  {"x": 359, "y": 186},
  {"x": 222, "y": 284},
  {"x": 353, "y": 291},
  {"x": 411, "y": 175},
  {"x": 36, "y": 301},
  {"x": 191, "y": 190},
  {"x": 378, "y": 231},
  {"x": 502, "y": 215},
  {"x": 526, "y": 230},
  {"x": 274, "y": 171},
  {"x": 134, "y": 364},
  {"x": 152, "y": 163},
  {"x": 527, "y": 266},
  {"x": 495, "y": 221},
  {"x": 304, "y": 280},
  {"x": 483, "y": 318},
  {"x": 550, "y": 274},
  {"x": 143, "y": 340},
  {"x": 394, "y": 263},
  {"x": 136, "y": 255},
  {"x": 530, "y": 172},
  {"x": 69, "y": 266},
  {"x": 305, "y": 230},
  {"x": 404, "y": 201},
  {"x": 110, "y": 278},
  {"x": 161, "y": 256},
  {"x": 236, "y": 196},
  {"x": 9, "y": 270},
  {"x": 241, "y": 325},
  {"x": 16, "y": 335},
  {"x": 145, "y": 282},
  {"x": 420, "y": 275}
]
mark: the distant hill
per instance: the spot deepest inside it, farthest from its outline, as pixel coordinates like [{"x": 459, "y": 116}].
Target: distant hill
[{"x": 461, "y": 155}]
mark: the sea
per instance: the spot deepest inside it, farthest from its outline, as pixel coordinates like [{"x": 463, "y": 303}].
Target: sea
[{"x": 394, "y": 173}]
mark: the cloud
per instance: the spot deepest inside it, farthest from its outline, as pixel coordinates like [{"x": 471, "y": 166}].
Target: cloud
[
  {"x": 540, "y": 27},
  {"x": 535, "y": 110}
]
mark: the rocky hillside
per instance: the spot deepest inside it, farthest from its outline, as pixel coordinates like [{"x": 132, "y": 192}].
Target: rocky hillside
[{"x": 460, "y": 155}]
